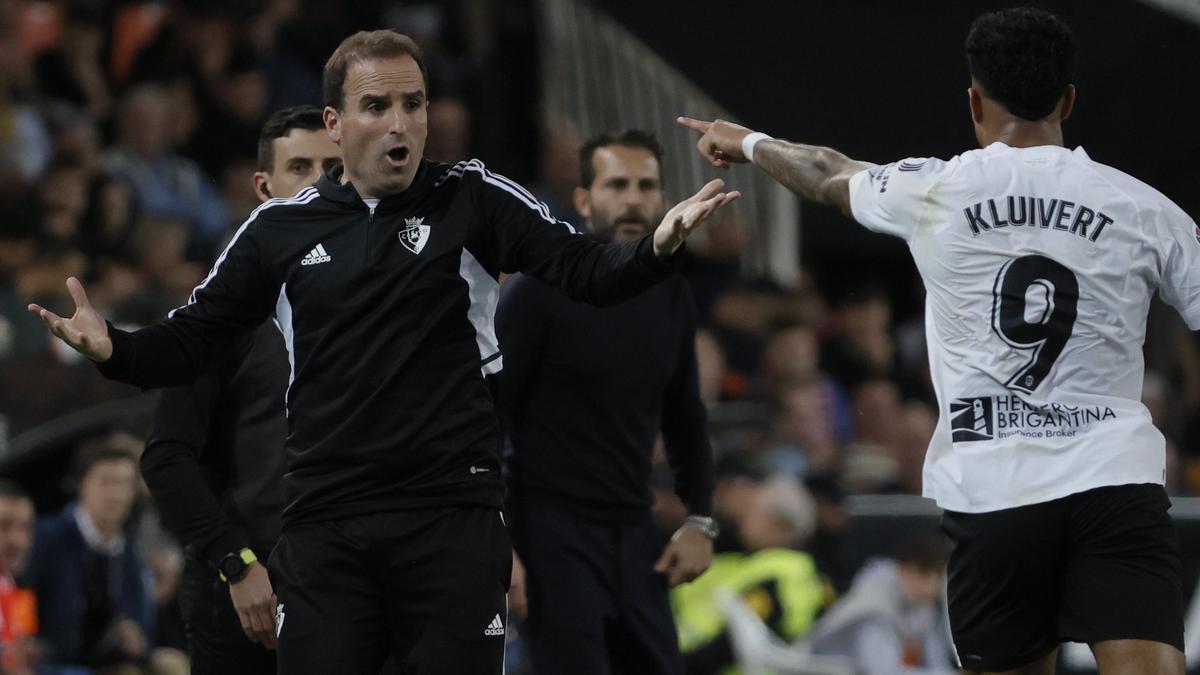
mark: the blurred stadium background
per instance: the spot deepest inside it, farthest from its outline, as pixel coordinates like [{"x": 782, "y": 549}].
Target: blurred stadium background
[{"x": 812, "y": 354}]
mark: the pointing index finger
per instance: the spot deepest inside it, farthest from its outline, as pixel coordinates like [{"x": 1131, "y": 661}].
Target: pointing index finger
[{"x": 698, "y": 125}]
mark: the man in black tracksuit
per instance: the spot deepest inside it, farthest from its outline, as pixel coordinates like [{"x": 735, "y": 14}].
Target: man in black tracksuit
[
  {"x": 383, "y": 281},
  {"x": 584, "y": 393},
  {"x": 215, "y": 456}
]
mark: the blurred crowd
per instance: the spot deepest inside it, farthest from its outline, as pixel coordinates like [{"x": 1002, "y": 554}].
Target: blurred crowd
[{"x": 127, "y": 144}]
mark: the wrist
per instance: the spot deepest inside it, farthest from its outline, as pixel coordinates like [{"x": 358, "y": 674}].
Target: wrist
[
  {"x": 705, "y": 525},
  {"x": 233, "y": 566},
  {"x": 749, "y": 141}
]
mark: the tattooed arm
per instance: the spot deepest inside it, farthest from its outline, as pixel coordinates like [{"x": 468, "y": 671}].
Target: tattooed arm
[{"x": 815, "y": 173}]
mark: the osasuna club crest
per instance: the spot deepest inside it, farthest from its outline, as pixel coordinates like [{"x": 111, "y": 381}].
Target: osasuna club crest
[{"x": 415, "y": 234}]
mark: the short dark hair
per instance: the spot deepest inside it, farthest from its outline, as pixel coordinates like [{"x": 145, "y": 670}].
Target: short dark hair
[
  {"x": 280, "y": 124},
  {"x": 923, "y": 550},
  {"x": 95, "y": 451},
  {"x": 359, "y": 47},
  {"x": 630, "y": 138},
  {"x": 1024, "y": 58},
  {"x": 10, "y": 490}
]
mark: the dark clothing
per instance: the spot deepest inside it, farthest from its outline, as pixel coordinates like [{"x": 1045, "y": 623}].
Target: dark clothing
[
  {"x": 429, "y": 584},
  {"x": 585, "y": 391},
  {"x": 216, "y": 643},
  {"x": 214, "y": 462},
  {"x": 214, "y": 459},
  {"x": 1097, "y": 565},
  {"x": 82, "y": 593},
  {"x": 386, "y": 313},
  {"x": 596, "y": 605}
]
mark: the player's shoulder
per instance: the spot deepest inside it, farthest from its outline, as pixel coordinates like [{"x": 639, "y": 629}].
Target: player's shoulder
[
  {"x": 469, "y": 171},
  {"x": 279, "y": 209},
  {"x": 1144, "y": 197},
  {"x": 915, "y": 171}
]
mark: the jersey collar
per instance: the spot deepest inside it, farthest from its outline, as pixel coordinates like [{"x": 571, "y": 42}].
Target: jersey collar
[{"x": 331, "y": 187}]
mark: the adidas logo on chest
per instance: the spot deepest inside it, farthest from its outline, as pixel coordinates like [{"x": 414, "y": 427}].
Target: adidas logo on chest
[{"x": 316, "y": 256}]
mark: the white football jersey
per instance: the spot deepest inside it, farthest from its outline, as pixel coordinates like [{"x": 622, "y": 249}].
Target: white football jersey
[{"x": 1039, "y": 265}]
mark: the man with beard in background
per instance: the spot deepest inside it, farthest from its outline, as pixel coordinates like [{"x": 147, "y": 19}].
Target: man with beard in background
[{"x": 584, "y": 393}]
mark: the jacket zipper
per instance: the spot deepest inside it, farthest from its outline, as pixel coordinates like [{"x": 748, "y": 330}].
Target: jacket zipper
[{"x": 367, "y": 244}]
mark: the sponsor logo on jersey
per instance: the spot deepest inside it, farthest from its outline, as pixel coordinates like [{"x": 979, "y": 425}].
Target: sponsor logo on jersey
[
  {"x": 1198, "y": 234},
  {"x": 911, "y": 165},
  {"x": 415, "y": 234},
  {"x": 999, "y": 417},
  {"x": 971, "y": 419}
]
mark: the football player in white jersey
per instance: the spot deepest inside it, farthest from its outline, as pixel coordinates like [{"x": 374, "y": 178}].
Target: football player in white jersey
[{"x": 1039, "y": 265}]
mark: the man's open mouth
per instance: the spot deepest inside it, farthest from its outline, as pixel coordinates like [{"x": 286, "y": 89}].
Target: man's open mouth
[{"x": 398, "y": 156}]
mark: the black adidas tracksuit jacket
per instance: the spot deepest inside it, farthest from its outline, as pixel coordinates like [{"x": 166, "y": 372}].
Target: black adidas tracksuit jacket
[{"x": 387, "y": 316}]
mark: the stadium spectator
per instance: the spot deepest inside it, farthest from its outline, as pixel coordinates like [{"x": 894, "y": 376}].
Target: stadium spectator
[
  {"x": 891, "y": 621},
  {"x": 17, "y": 246},
  {"x": 18, "y": 606},
  {"x": 168, "y": 185},
  {"x": 94, "y": 604},
  {"x": 583, "y": 394},
  {"x": 778, "y": 582}
]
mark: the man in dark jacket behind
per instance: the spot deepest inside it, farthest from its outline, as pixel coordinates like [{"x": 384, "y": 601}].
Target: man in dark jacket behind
[{"x": 584, "y": 393}]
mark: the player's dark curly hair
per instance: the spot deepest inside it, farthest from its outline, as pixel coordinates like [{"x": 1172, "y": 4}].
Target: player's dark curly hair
[
  {"x": 630, "y": 138},
  {"x": 1023, "y": 57}
]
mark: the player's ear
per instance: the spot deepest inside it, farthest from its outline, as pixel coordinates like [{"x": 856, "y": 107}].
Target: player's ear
[
  {"x": 580, "y": 199},
  {"x": 332, "y": 124},
  {"x": 975, "y": 103},
  {"x": 261, "y": 188},
  {"x": 1067, "y": 103}
]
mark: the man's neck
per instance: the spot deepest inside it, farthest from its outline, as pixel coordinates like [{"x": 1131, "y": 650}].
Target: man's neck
[
  {"x": 99, "y": 536},
  {"x": 1018, "y": 133}
]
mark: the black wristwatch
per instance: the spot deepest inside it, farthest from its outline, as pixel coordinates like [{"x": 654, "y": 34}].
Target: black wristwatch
[
  {"x": 233, "y": 566},
  {"x": 707, "y": 526}
]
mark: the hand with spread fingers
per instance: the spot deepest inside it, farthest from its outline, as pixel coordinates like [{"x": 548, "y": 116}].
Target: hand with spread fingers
[
  {"x": 721, "y": 142},
  {"x": 85, "y": 331},
  {"x": 688, "y": 214}
]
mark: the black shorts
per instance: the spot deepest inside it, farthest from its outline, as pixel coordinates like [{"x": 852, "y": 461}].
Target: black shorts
[
  {"x": 1093, "y": 566},
  {"x": 426, "y": 587}
]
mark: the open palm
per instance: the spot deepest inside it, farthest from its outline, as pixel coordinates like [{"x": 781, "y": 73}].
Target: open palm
[
  {"x": 688, "y": 214},
  {"x": 85, "y": 331}
]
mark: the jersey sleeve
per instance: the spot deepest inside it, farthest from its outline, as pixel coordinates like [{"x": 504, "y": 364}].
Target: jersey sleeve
[
  {"x": 235, "y": 297},
  {"x": 519, "y": 234},
  {"x": 1180, "y": 284},
  {"x": 893, "y": 198}
]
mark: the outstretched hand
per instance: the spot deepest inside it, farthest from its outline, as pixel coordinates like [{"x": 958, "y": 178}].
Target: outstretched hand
[
  {"x": 688, "y": 214},
  {"x": 721, "y": 142},
  {"x": 85, "y": 331}
]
